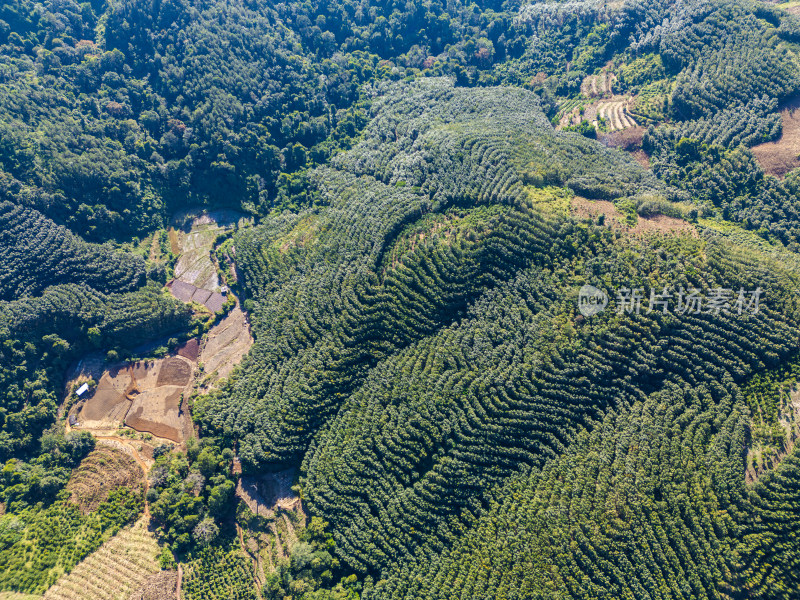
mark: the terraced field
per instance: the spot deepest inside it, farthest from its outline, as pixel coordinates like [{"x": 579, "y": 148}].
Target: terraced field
[
  {"x": 105, "y": 469},
  {"x": 599, "y": 85},
  {"x": 615, "y": 115},
  {"x": 121, "y": 566}
]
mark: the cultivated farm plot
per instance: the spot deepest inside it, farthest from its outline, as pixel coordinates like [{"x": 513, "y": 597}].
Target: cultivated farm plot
[
  {"x": 151, "y": 396},
  {"x": 614, "y": 112},
  {"x": 192, "y": 238},
  {"x": 105, "y": 469},
  {"x": 147, "y": 396},
  {"x": 121, "y": 567},
  {"x": 598, "y": 85},
  {"x": 227, "y": 342}
]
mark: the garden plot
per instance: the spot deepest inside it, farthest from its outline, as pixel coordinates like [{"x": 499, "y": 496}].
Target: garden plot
[
  {"x": 614, "y": 112},
  {"x": 598, "y": 85},
  {"x": 123, "y": 566}
]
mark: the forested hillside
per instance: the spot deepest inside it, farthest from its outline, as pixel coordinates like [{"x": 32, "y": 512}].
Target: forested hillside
[{"x": 427, "y": 189}]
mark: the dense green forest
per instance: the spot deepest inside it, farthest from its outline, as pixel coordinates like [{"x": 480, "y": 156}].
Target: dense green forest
[{"x": 411, "y": 280}]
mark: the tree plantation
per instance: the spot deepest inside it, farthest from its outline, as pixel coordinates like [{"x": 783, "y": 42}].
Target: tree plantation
[{"x": 514, "y": 288}]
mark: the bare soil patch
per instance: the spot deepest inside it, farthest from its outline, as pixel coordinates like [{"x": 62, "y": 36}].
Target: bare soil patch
[
  {"x": 102, "y": 471},
  {"x": 152, "y": 396},
  {"x": 781, "y": 156},
  {"x": 109, "y": 404},
  {"x": 148, "y": 396},
  {"x": 186, "y": 292},
  {"x": 190, "y": 350},
  {"x": 629, "y": 139},
  {"x": 266, "y": 494},
  {"x": 159, "y": 412},
  {"x": 174, "y": 371},
  {"x": 182, "y": 290}
]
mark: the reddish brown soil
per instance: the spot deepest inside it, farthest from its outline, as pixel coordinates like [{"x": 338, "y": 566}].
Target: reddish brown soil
[
  {"x": 162, "y": 430},
  {"x": 190, "y": 350},
  {"x": 107, "y": 400}
]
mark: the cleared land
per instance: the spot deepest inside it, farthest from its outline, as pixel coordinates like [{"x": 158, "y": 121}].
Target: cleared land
[
  {"x": 271, "y": 496},
  {"x": 225, "y": 346},
  {"x": 659, "y": 224},
  {"x": 791, "y": 7},
  {"x": 105, "y": 469},
  {"x": 614, "y": 112},
  {"x": 161, "y": 586},
  {"x": 598, "y": 85},
  {"x": 781, "y": 156},
  {"x": 192, "y": 237},
  {"x": 148, "y": 396},
  {"x": 121, "y": 567}
]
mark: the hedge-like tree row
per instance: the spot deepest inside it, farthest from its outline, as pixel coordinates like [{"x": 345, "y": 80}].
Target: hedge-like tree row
[
  {"x": 35, "y": 253},
  {"x": 418, "y": 345},
  {"x": 329, "y": 298}
]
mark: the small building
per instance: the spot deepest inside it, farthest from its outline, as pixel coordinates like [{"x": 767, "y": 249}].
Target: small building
[
  {"x": 82, "y": 390},
  {"x": 224, "y": 290},
  {"x": 73, "y": 420}
]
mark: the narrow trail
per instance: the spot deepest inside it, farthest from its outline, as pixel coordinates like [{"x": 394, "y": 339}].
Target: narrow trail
[
  {"x": 180, "y": 582},
  {"x": 137, "y": 457}
]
